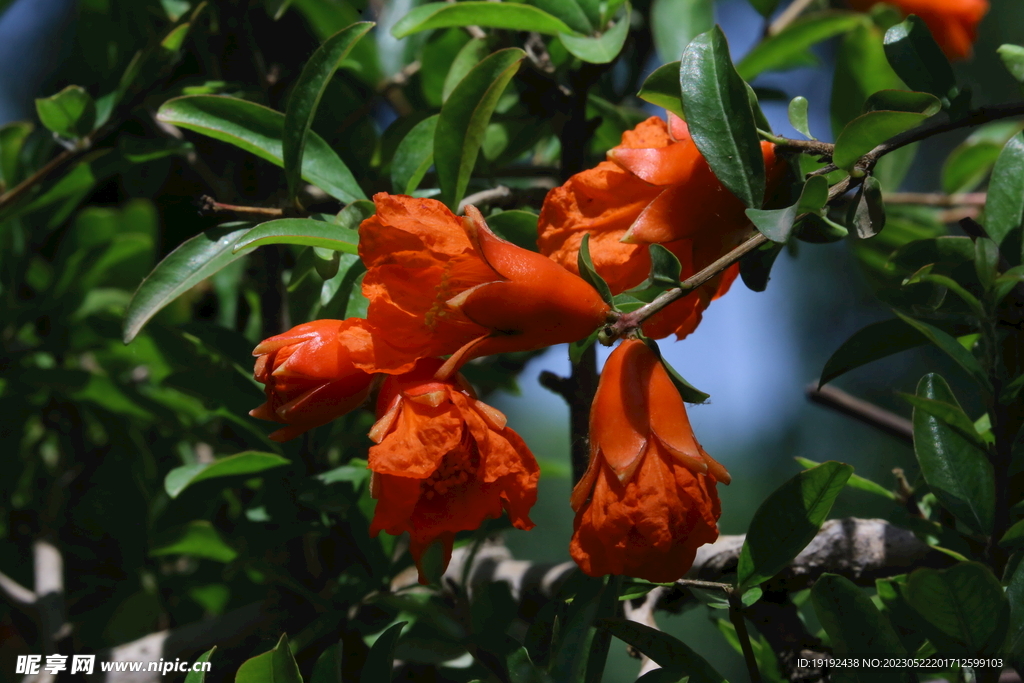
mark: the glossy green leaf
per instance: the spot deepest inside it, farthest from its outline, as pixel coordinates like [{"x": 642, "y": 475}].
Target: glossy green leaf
[
  {"x": 585, "y": 265},
  {"x": 856, "y": 627},
  {"x": 200, "y": 676},
  {"x": 903, "y": 100},
  {"x": 572, "y": 655},
  {"x": 194, "y": 260},
  {"x": 689, "y": 393},
  {"x": 867, "y": 211},
  {"x": 970, "y": 162},
  {"x": 276, "y": 666},
  {"x": 197, "y": 538},
  {"x": 304, "y": 231},
  {"x": 1013, "y": 59},
  {"x": 720, "y": 119},
  {"x": 867, "y": 131},
  {"x": 777, "y": 224},
  {"x": 956, "y": 468},
  {"x": 12, "y": 139},
  {"x": 963, "y": 608},
  {"x": 382, "y": 655},
  {"x": 464, "y": 117},
  {"x": 414, "y": 156},
  {"x": 855, "y": 481},
  {"x": 661, "y": 88},
  {"x": 798, "y": 116},
  {"x": 306, "y": 94},
  {"x": 674, "y": 23},
  {"x": 568, "y": 11},
  {"x": 259, "y": 130},
  {"x": 599, "y": 49},
  {"x": 71, "y": 113},
  {"x": 986, "y": 261},
  {"x": 667, "y": 651},
  {"x": 917, "y": 58},
  {"x": 1004, "y": 206},
  {"x": 789, "y": 48},
  {"x": 249, "y": 462},
  {"x": 1015, "y": 597},
  {"x": 952, "y": 347},
  {"x": 756, "y": 267},
  {"x": 949, "y": 413},
  {"x": 518, "y": 227},
  {"x": 787, "y": 521},
  {"x": 507, "y": 15}
]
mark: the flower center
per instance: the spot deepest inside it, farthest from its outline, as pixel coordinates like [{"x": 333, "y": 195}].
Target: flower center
[
  {"x": 456, "y": 468},
  {"x": 442, "y": 292}
]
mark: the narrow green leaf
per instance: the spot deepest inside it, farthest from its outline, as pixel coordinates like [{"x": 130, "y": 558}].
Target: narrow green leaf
[
  {"x": 71, "y": 113},
  {"x": 867, "y": 211},
  {"x": 507, "y": 15},
  {"x": 689, "y": 393},
  {"x": 789, "y": 48},
  {"x": 917, "y": 58},
  {"x": 674, "y": 23},
  {"x": 274, "y": 666},
  {"x": 963, "y": 607},
  {"x": 957, "y": 470},
  {"x": 259, "y": 130},
  {"x": 867, "y": 131},
  {"x": 856, "y": 627},
  {"x": 720, "y": 119},
  {"x": 304, "y": 231},
  {"x": 568, "y": 11},
  {"x": 585, "y": 265},
  {"x": 903, "y": 100},
  {"x": 952, "y": 347},
  {"x": 197, "y": 538},
  {"x": 952, "y": 415},
  {"x": 1013, "y": 539},
  {"x": 599, "y": 49},
  {"x": 1004, "y": 206},
  {"x": 855, "y": 481},
  {"x": 306, "y": 94},
  {"x": 194, "y": 676},
  {"x": 471, "y": 54},
  {"x": 1013, "y": 59},
  {"x": 798, "y": 116},
  {"x": 414, "y": 156},
  {"x": 248, "y": 462},
  {"x": 667, "y": 651},
  {"x": 382, "y": 655},
  {"x": 777, "y": 224},
  {"x": 194, "y": 260},
  {"x": 986, "y": 261},
  {"x": 570, "y": 656},
  {"x": 662, "y": 89},
  {"x": 787, "y": 521},
  {"x": 465, "y": 115},
  {"x": 328, "y": 666},
  {"x": 970, "y": 162}
]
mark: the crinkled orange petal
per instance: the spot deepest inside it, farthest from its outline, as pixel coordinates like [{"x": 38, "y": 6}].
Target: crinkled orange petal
[
  {"x": 404, "y": 223},
  {"x": 420, "y": 438},
  {"x": 650, "y": 133}
]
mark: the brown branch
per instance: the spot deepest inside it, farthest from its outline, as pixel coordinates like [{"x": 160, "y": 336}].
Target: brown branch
[
  {"x": 208, "y": 206},
  {"x": 868, "y": 413}
]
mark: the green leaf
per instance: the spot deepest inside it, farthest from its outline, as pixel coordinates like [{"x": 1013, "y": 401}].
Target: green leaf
[
  {"x": 820, "y": 229},
  {"x": 867, "y": 131},
  {"x": 518, "y": 227},
  {"x": 952, "y": 347},
  {"x": 197, "y": 538},
  {"x": 465, "y": 115},
  {"x": 1004, "y": 206},
  {"x": 328, "y": 666},
  {"x": 861, "y": 69},
  {"x": 1015, "y": 597},
  {"x": 789, "y": 48},
  {"x": 248, "y": 462},
  {"x": 661, "y": 89},
  {"x": 787, "y": 521},
  {"x": 194, "y": 260},
  {"x": 777, "y": 224},
  {"x": 585, "y": 265},
  {"x": 599, "y": 49},
  {"x": 306, "y": 94},
  {"x": 687, "y": 391},
  {"x": 903, "y": 100},
  {"x": 855, "y": 482},
  {"x": 1013, "y": 59},
  {"x": 765, "y": 7},
  {"x": 867, "y": 211},
  {"x": 798, "y": 116},
  {"x": 304, "y": 231},
  {"x": 720, "y": 119},
  {"x": 917, "y": 58},
  {"x": 414, "y": 156},
  {"x": 200, "y": 676},
  {"x": 986, "y": 261},
  {"x": 382, "y": 655},
  {"x": 669, "y": 652},
  {"x": 1013, "y": 539},
  {"x": 507, "y": 15},
  {"x": 956, "y": 469},
  {"x": 756, "y": 267},
  {"x": 568, "y": 11},
  {"x": 276, "y": 666},
  {"x": 964, "y": 609},
  {"x": 471, "y": 54},
  {"x": 674, "y": 23},
  {"x": 855, "y": 626},
  {"x": 259, "y": 130},
  {"x": 12, "y": 139},
  {"x": 970, "y": 162},
  {"x": 71, "y": 113},
  {"x": 949, "y": 413}
]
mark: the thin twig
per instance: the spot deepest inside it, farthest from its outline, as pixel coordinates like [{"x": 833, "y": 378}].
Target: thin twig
[
  {"x": 788, "y": 16},
  {"x": 15, "y": 592},
  {"x": 965, "y": 199},
  {"x": 736, "y": 617},
  {"x": 485, "y": 196},
  {"x": 868, "y": 413},
  {"x": 208, "y": 206}
]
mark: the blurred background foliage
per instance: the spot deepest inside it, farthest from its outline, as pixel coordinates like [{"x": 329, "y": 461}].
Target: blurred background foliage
[{"x": 91, "y": 427}]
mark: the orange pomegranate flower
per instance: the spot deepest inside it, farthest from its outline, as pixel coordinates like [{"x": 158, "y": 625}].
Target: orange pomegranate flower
[
  {"x": 954, "y": 23},
  {"x": 655, "y": 188},
  {"x": 444, "y": 462},
  {"x": 648, "y": 498},
  {"x": 318, "y": 371},
  {"x": 439, "y": 284}
]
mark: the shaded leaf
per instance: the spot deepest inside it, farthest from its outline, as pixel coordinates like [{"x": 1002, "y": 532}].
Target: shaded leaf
[
  {"x": 71, "y": 113},
  {"x": 777, "y": 224},
  {"x": 669, "y": 652},
  {"x": 197, "y": 538},
  {"x": 903, "y": 100},
  {"x": 414, "y": 157},
  {"x": 867, "y": 131},
  {"x": 599, "y": 49},
  {"x": 963, "y": 607},
  {"x": 249, "y": 462},
  {"x": 756, "y": 267},
  {"x": 867, "y": 211},
  {"x": 303, "y": 231},
  {"x": 789, "y": 48},
  {"x": 1013, "y": 59},
  {"x": 381, "y": 656},
  {"x": 276, "y": 666},
  {"x": 1004, "y": 206},
  {"x": 855, "y": 481},
  {"x": 674, "y": 23},
  {"x": 917, "y": 58},
  {"x": 200, "y": 676},
  {"x": 952, "y": 347},
  {"x": 513, "y": 16},
  {"x": 516, "y": 226},
  {"x": 585, "y": 265}
]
